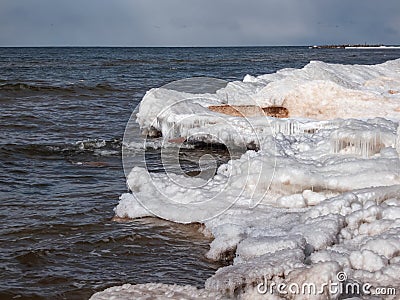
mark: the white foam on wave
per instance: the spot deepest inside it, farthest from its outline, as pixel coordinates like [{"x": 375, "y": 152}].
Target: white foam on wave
[
  {"x": 332, "y": 203},
  {"x": 154, "y": 291}
]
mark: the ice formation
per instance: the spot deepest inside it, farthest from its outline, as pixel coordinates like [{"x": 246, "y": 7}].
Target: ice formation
[
  {"x": 320, "y": 196},
  {"x": 155, "y": 291}
]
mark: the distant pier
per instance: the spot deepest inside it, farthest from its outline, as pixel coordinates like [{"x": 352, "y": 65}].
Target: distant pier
[{"x": 353, "y": 46}]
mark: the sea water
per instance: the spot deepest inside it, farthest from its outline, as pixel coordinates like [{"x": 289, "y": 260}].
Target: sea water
[{"x": 63, "y": 114}]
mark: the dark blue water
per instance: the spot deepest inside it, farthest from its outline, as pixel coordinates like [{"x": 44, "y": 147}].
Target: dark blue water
[{"x": 62, "y": 118}]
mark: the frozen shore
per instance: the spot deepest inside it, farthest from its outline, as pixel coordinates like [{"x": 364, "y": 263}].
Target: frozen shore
[{"x": 319, "y": 197}]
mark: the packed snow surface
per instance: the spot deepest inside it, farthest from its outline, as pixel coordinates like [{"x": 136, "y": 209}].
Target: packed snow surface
[{"x": 320, "y": 196}]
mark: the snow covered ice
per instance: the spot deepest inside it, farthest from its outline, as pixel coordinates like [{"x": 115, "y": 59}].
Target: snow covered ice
[{"x": 321, "y": 195}]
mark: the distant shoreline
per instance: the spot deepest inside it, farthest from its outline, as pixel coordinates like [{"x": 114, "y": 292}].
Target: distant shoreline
[{"x": 353, "y": 46}]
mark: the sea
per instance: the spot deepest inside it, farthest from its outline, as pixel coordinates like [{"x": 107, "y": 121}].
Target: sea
[{"x": 63, "y": 113}]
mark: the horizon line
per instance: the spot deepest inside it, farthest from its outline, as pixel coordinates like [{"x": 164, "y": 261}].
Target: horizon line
[
  {"x": 181, "y": 46},
  {"x": 143, "y": 46}
]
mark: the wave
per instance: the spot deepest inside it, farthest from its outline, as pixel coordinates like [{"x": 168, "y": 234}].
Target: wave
[
  {"x": 120, "y": 62},
  {"x": 70, "y": 88},
  {"x": 98, "y": 147},
  {"x": 33, "y": 258}
]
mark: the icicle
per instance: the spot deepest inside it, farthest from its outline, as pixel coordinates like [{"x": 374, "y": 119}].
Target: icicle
[{"x": 397, "y": 143}]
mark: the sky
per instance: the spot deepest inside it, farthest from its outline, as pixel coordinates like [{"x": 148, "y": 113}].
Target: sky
[{"x": 198, "y": 22}]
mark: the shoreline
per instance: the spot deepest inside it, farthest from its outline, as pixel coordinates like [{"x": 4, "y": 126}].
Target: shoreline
[{"x": 354, "y": 46}]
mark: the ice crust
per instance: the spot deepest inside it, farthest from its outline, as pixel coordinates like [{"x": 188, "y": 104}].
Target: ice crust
[
  {"x": 318, "y": 91},
  {"x": 321, "y": 195},
  {"x": 155, "y": 291}
]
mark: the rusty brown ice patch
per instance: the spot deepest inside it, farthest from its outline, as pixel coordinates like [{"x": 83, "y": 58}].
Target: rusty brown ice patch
[
  {"x": 251, "y": 110},
  {"x": 276, "y": 111}
]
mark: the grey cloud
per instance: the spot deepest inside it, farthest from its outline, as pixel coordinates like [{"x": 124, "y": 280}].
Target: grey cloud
[{"x": 197, "y": 22}]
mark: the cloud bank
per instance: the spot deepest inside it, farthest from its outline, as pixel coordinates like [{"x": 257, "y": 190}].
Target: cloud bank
[{"x": 197, "y": 23}]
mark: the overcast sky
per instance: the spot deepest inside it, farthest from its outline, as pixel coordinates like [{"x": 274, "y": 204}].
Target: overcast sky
[{"x": 197, "y": 22}]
